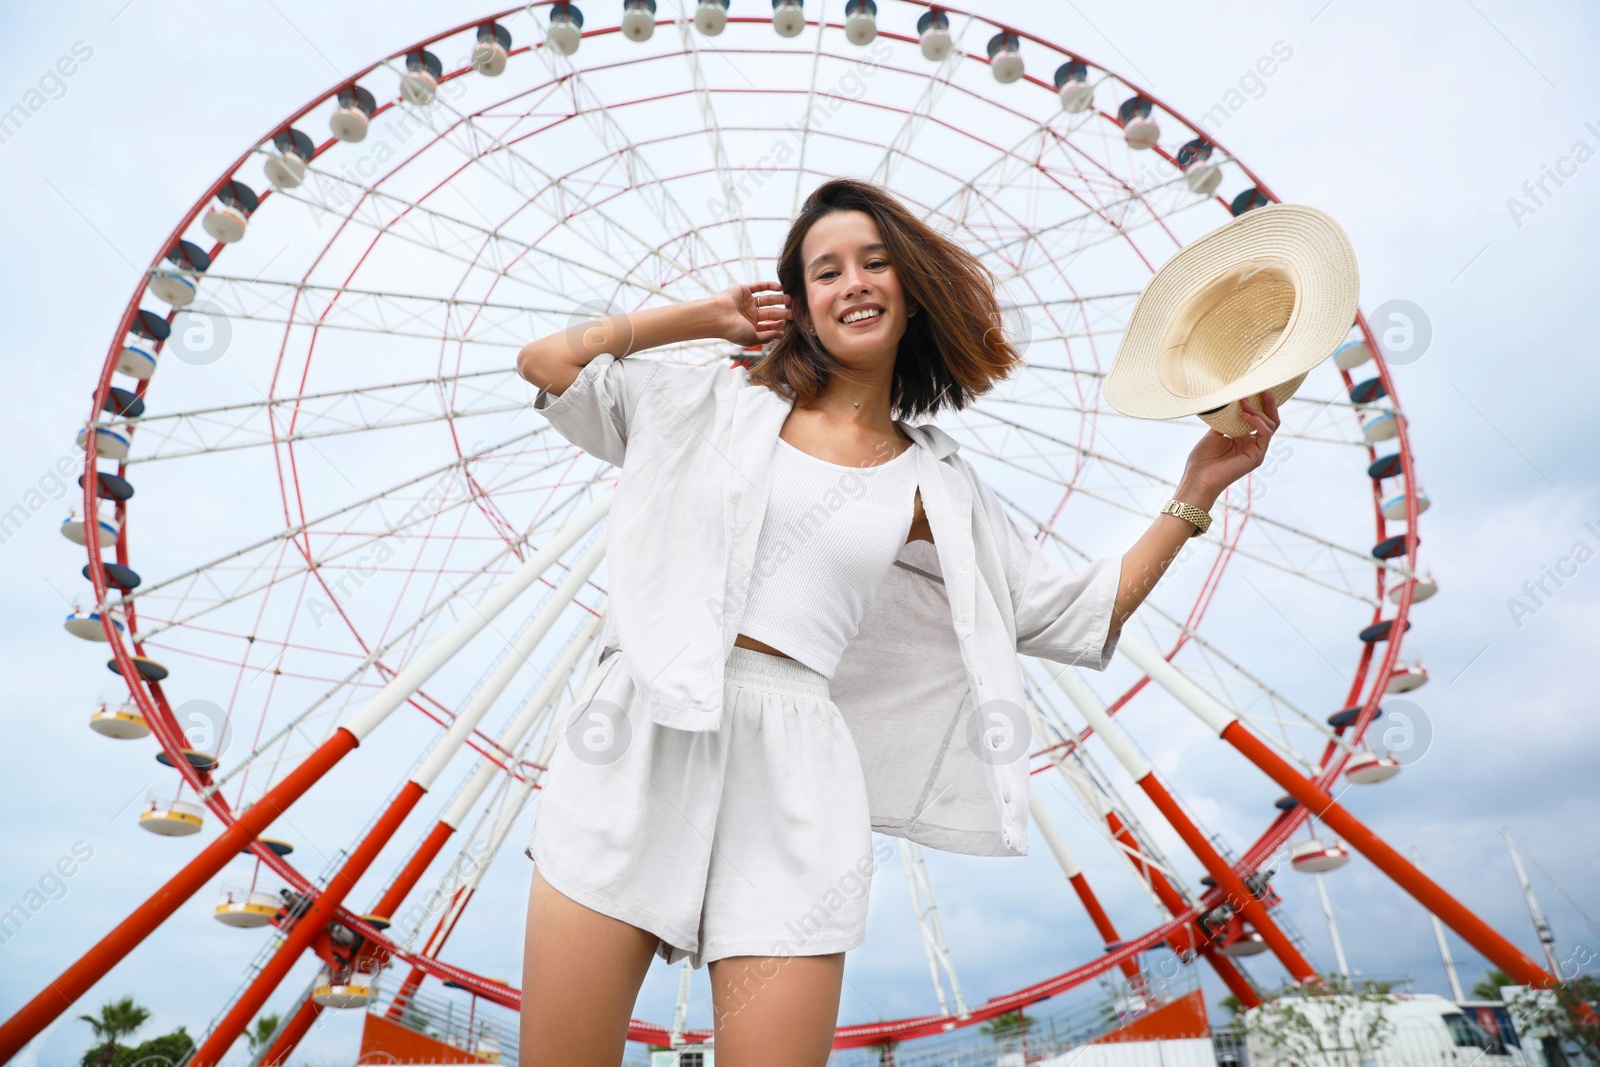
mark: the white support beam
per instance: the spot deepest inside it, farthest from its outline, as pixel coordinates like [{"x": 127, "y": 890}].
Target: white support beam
[
  {"x": 467, "y": 719},
  {"x": 1149, "y": 659},
  {"x": 401, "y": 688},
  {"x": 926, "y": 910},
  {"x": 532, "y": 711},
  {"x": 1047, "y": 830}
]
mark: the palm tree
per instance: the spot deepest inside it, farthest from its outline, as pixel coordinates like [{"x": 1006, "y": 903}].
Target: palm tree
[
  {"x": 1489, "y": 987},
  {"x": 265, "y": 1027},
  {"x": 1010, "y": 1024},
  {"x": 117, "y": 1019}
]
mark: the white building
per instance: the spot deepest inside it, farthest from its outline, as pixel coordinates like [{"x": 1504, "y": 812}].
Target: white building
[{"x": 1416, "y": 1030}]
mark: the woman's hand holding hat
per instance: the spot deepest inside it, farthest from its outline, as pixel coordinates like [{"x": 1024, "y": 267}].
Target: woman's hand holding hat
[{"x": 1218, "y": 460}]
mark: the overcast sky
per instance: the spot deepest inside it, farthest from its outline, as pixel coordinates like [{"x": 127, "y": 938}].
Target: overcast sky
[{"x": 1428, "y": 130}]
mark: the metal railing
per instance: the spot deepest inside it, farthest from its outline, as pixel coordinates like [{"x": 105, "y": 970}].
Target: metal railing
[{"x": 1045, "y": 1036}]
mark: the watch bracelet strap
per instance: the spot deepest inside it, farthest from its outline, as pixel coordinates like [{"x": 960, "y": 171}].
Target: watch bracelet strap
[{"x": 1189, "y": 513}]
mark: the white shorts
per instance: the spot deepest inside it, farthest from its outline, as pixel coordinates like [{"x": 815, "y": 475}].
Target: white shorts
[{"x": 752, "y": 840}]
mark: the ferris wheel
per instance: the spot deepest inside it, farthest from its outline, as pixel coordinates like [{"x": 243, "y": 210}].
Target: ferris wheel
[{"x": 319, "y": 511}]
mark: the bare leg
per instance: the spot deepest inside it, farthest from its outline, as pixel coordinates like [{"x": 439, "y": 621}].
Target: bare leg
[
  {"x": 775, "y": 1011},
  {"x": 581, "y": 973}
]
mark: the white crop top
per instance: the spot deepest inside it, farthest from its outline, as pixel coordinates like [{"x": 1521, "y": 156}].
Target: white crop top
[{"x": 828, "y": 539}]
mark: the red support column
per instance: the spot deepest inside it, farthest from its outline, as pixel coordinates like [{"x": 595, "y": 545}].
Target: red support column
[
  {"x": 77, "y": 979},
  {"x": 435, "y": 943},
  {"x": 1170, "y": 899},
  {"x": 387, "y": 906},
  {"x": 408, "y": 878},
  {"x": 305, "y": 930},
  {"x": 1233, "y": 978},
  {"x": 1102, "y": 921},
  {"x": 1228, "y": 880},
  {"x": 299, "y": 1026},
  {"x": 1477, "y": 933},
  {"x": 1164, "y": 890}
]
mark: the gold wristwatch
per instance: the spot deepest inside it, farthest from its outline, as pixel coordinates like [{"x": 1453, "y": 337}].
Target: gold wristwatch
[{"x": 1189, "y": 513}]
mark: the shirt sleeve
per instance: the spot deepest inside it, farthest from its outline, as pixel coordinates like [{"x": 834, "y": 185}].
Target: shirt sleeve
[
  {"x": 595, "y": 410},
  {"x": 1066, "y": 617},
  {"x": 1060, "y": 616}
]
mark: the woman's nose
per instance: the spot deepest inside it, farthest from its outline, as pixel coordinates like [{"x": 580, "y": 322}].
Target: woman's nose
[{"x": 854, "y": 282}]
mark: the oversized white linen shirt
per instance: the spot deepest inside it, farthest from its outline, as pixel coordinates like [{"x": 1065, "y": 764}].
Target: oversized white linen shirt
[{"x": 930, "y": 685}]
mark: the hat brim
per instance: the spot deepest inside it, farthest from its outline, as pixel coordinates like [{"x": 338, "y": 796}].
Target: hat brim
[{"x": 1317, "y": 251}]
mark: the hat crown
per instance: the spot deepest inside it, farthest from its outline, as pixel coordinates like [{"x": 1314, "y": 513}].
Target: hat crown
[
  {"x": 1229, "y": 327},
  {"x": 1248, "y": 308}
]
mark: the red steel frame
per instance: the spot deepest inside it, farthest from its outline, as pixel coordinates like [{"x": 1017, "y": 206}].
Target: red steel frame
[
  {"x": 1431, "y": 895},
  {"x": 1184, "y": 940},
  {"x": 242, "y": 829},
  {"x": 306, "y": 1014},
  {"x": 1228, "y": 880},
  {"x": 1102, "y": 922},
  {"x": 305, "y": 929}
]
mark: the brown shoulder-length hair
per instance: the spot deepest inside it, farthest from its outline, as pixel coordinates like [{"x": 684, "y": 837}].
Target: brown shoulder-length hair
[{"x": 953, "y": 350}]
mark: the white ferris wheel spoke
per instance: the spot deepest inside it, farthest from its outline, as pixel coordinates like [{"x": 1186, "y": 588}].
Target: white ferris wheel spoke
[
  {"x": 348, "y": 687},
  {"x": 941, "y": 965},
  {"x": 1097, "y": 797},
  {"x": 719, "y": 152},
  {"x": 475, "y": 157},
  {"x": 214, "y": 566},
  {"x": 605, "y": 127},
  {"x": 396, "y": 217},
  {"x": 918, "y": 114},
  {"x": 513, "y": 790}
]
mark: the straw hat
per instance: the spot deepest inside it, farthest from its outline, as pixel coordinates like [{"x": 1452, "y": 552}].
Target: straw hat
[{"x": 1251, "y": 306}]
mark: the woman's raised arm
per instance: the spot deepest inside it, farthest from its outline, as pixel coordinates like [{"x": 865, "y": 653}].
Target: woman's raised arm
[
  {"x": 744, "y": 314},
  {"x": 1215, "y": 463}
]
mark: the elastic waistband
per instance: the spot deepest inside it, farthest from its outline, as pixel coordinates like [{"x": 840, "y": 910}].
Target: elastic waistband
[{"x": 759, "y": 670}]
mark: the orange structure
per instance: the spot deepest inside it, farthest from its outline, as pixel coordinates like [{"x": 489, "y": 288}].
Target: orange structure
[
  {"x": 385, "y": 1042},
  {"x": 1182, "y": 1018}
]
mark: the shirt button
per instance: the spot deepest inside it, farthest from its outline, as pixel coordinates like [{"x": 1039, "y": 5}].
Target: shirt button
[{"x": 1006, "y": 795}]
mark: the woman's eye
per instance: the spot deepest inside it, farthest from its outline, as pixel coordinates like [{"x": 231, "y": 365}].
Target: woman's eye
[{"x": 826, "y": 274}]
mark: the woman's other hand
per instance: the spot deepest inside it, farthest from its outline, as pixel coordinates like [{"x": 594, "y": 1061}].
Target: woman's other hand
[
  {"x": 1218, "y": 460},
  {"x": 752, "y": 314}
]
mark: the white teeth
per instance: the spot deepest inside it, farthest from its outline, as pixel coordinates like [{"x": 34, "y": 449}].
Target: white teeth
[{"x": 857, "y": 316}]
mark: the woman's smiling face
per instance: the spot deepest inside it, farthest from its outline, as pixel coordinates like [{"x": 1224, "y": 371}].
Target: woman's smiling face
[{"x": 853, "y": 296}]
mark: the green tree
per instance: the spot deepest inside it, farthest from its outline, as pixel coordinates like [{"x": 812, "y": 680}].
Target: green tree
[
  {"x": 118, "y": 1018},
  {"x": 420, "y": 1019},
  {"x": 1567, "y": 1014},
  {"x": 1011, "y": 1024},
  {"x": 1235, "y": 1013},
  {"x": 1327, "y": 1022},
  {"x": 168, "y": 1050},
  {"x": 1489, "y": 987},
  {"x": 265, "y": 1027}
]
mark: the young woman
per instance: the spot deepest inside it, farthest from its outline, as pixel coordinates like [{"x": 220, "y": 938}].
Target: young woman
[{"x": 816, "y": 610}]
